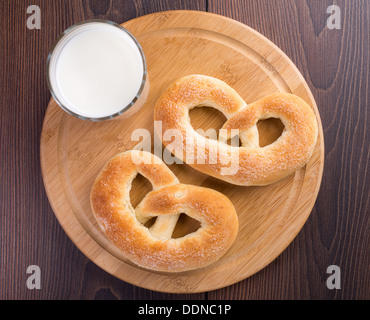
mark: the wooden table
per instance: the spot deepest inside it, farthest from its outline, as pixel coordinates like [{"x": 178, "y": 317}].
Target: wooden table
[{"x": 335, "y": 64}]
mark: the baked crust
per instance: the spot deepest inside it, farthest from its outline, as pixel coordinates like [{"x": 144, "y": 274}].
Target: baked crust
[
  {"x": 154, "y": 248},
  {"x": 256, "y": 165}
]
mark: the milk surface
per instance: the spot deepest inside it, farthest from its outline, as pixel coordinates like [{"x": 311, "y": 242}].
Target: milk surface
[{"x": 99, "y": 71}]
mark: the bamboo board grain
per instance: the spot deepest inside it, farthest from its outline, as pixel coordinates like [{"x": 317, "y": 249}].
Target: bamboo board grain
[{"x": 178, "y": 43}]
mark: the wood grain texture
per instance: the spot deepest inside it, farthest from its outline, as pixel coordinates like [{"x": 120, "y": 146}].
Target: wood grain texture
[
  {"x": 335, "y": 63},
  {"x": 73, "y": 151}
]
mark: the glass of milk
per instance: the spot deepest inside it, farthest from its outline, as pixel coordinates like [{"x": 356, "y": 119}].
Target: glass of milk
[{"x": 97, "y": 71}]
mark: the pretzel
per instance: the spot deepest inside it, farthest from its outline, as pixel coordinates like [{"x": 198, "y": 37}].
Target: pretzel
[
  {"x": 154, "y": 248},
  {"x": 255, "y": 165}
]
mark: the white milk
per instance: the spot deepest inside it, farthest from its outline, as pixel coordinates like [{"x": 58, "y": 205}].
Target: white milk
[{"x": 97, "y": 70}]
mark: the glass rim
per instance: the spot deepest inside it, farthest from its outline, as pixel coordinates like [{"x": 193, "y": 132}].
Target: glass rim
[{"x": 69, "y": 30}]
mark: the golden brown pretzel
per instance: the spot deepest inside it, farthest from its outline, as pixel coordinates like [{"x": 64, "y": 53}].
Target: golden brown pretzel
[
  {"x": 154, "y": 248},
  {"x": 255, "y": 165}
]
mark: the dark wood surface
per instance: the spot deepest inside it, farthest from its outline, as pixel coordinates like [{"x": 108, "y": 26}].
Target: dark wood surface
[{"x": 335, "y": 64}]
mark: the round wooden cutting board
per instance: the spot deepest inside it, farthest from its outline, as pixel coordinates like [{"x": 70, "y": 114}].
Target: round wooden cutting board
[{"x": 179, "y": 43}]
